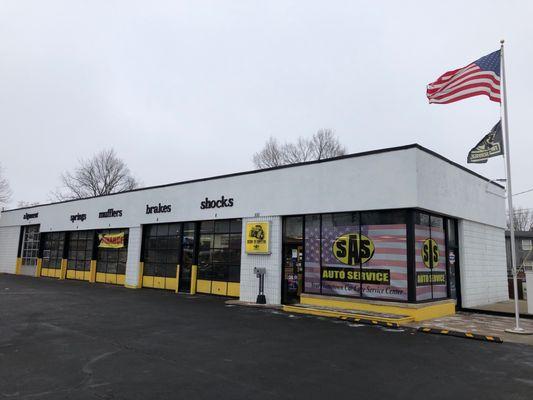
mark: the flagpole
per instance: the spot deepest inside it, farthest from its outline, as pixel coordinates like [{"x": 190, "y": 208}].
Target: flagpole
[{"x": 507, "y": 156}]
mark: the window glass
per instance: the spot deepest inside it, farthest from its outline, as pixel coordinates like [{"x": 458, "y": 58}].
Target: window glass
[
  {"x": 53, "y": 243},
  {"x": 357, "y": 254},
  {"x": 207, "y": 226},
  {"x": 30, "y": 245},
  {"x": 383, "y": 217},
  {"x": 80, "y": 247},
  {"x": 384, "y": 267},
  {"x": 234, "y": 272},
  {"x": 220, "y": 247},
  {"x": 452, "y": 240},
  {"x": 439, "y": 278},
  {"x": 312, "y": 247},
  {"x": 222, "y": 226},
  {"x": 221, "y": 241},
  {"x": 340, "y": 264},
  {"x": 113, "y": 260},
  {"x": 430, "y": 258},
  {"x": 236, "y": 226},
  {"x": 235, "y": 241},
  {"x": 293, "y": 228},
  {"x": 162, "y": 246}
]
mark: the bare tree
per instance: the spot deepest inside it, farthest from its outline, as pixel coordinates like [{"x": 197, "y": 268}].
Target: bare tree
[
  {"x": 103, "y": 174},
  {"x": 522, "y": 219},
  {"x": 5, "y": 189},
  {"x": 270, "y": 156},
  {"x": 321, "y": 145},
  {"x": 326, "y": 145}
]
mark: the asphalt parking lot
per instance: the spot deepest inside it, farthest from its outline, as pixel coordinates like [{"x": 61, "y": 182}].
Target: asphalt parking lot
[{"x": 75, "y": 340}]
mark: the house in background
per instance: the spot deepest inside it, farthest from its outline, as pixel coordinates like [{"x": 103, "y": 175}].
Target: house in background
[{"x": 524, "y": 253}]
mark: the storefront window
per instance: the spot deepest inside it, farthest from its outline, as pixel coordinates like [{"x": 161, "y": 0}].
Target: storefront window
[
  {"x": 384, "y": 275},
  {"x": 430, "y": 256},
  {"x": 53, "y": 244},
  {"x": 341, "y": 253},
  {"x": 357, "y": 254},
  {"x": 312, "y": 254}
]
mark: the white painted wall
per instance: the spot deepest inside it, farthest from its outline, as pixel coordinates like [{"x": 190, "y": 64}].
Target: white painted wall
[
  {"x": 9, "y": 242},
  {"x": 272, "y": 262},
  {"x": 482, "y": 264},
  {"x": 377, "y": 181},
  {"x": 134, "y": 256},
  {"x": 395, "y": 179},
  {"x": 449, "y": 190}
]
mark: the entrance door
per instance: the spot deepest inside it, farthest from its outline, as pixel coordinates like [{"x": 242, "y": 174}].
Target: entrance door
[
  {"x": 187, "y": 256},
  {"x": 292, "y": 275},
  {"x": 452, "y": 262}
]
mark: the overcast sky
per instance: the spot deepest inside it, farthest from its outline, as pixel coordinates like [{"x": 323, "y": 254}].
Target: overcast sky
[{"x": 190, "y": 89}]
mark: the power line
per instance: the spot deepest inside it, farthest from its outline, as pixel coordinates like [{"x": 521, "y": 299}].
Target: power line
[{"x": 525, "y": 191}]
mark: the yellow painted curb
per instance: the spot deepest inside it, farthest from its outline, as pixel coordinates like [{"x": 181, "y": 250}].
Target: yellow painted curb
[
  {"x": 419, "y": 312},
  {"x": 344, "y": 315}
]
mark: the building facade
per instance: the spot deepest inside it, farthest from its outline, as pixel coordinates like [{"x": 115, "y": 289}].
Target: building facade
[{"x": 401, "y": 225}]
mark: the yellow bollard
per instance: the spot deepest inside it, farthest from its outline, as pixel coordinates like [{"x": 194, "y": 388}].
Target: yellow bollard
[
  {"x": 92, "y": 272},
  {"x": 39, "y": 267},
  {"x": 141, "y": 273},
  {"x": 18, "y": 265},
  {"x": 194, "y": 272},
  {"x": 63, "y": 272},
  {"x": 177, "y": 278}
]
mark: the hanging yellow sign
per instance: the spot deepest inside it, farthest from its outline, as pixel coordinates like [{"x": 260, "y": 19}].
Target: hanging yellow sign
[
  {"x": 111, "y": 240},
  {"x": 258, "y": 237}
]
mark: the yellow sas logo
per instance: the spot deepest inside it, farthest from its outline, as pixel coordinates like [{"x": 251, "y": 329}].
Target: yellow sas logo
[
  {"x": 430, "y": 253},
  {"x": 353, "y": 248}
]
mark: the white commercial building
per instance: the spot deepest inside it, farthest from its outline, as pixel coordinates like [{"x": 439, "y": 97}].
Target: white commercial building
[{"x": 402, "y": 225}]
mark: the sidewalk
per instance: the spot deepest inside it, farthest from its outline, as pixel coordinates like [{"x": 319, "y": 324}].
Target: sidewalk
[
  {"x": 481, "y": 324},
  {"x": 505, "y": 306}
]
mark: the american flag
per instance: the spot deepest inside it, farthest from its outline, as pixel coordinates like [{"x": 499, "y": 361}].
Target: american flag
[{"x": 482, "y": 77}]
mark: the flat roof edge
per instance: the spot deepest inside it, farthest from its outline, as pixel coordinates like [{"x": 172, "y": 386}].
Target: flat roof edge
[{"x": 256, "y": 171}]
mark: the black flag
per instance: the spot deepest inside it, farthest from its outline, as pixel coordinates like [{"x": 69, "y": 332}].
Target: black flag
[{"x": 490, "y": 146}]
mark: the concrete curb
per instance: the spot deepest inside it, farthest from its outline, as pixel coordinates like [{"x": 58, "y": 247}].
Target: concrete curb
[{"x": 459, "y": 334}]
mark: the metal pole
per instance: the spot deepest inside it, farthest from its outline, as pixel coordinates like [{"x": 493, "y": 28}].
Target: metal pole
[{"x": 507, "y": 156}]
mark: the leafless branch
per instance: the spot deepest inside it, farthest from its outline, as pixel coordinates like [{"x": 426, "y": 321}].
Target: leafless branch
[
  {"x": 5, "y": 189},
  {"x": 522, "y": 219},
  {"x": 103, "y": 174},
  {"x": 321, "y": 145}
]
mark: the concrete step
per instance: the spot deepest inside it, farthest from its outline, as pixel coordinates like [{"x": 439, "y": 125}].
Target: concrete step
[{"x": 354, "y": 315}]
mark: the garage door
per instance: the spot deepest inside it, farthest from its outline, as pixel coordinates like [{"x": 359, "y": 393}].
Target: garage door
[
  {"x": 112, "y": 255},
  {"x": 80, "y": 249}
]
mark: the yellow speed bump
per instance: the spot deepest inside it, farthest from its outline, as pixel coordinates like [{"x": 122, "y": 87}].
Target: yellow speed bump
[{"x": 466, "y": 335}]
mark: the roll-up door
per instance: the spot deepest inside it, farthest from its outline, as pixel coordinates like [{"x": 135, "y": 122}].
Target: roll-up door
[
  {"x": 112, "y": 255},
  {"x": 53, "y": 245},
  {"x": 80, "y": 249}
]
